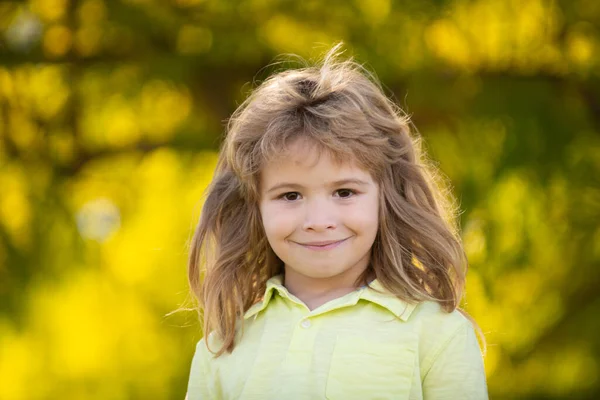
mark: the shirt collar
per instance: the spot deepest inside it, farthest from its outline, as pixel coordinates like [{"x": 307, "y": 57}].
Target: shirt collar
[
  {"x": 275, "y": 283},
  {"x": 374, "y": 292}
]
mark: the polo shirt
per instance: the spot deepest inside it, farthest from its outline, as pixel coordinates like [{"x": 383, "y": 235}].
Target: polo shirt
[{"x": 367, "y": 344}]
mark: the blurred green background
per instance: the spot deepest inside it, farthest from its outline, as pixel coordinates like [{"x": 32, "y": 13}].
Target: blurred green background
[{"x": 110, "y": 115}]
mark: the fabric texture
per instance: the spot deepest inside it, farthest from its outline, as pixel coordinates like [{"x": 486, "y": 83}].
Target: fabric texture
[{"x": 367, "y": 344}]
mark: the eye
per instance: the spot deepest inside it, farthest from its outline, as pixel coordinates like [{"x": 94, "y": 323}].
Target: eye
[
  {"x": 345, "y": 193},
  {"x": 290, "y": 196}
]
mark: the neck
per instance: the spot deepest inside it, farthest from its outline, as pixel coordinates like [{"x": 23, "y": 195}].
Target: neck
[{"x": 314, "y": 292}]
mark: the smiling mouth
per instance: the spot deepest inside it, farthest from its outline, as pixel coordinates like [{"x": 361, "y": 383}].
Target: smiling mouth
[{"x": 322, "y": 245}]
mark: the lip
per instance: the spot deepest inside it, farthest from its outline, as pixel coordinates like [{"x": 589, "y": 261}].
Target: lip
[{"x": 322, "y": 245}]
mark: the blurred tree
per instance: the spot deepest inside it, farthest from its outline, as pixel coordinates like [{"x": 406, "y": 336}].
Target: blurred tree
[{"x": 110, "y": 113}]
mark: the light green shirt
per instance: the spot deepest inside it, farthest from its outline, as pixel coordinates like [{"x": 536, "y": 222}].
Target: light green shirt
[{"x": 364, "y": 345}]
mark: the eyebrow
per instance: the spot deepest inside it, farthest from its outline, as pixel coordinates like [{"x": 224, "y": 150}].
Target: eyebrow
[{"x": 341, "y": 182}]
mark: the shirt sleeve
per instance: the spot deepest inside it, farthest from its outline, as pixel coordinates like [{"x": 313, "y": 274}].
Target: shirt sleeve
[
  {"x": 198, "y": 385},
  {"x": 457, "y": 371}
]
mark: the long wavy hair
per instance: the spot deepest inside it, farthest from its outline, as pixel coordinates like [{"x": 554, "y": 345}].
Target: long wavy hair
[{"x": 339, "y": 107}]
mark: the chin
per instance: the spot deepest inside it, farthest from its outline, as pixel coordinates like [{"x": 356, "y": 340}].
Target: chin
[{"x": 322, "y": 273}]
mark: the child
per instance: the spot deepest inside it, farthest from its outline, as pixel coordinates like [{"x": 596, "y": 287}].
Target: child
[{"x": 331, "y": 269}]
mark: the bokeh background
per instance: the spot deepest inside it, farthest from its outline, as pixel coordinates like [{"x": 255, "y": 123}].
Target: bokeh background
[{"x": 111, "y": 112}]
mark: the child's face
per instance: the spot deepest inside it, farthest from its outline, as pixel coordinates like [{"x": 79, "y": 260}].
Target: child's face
[{"x": 317, "y": 227}]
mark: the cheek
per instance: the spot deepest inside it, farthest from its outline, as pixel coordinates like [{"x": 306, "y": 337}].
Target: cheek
[
  {"x": 367, "y": 224},
  {"x": 276, "y": 222},
  {"x": 366, "y": 215}
]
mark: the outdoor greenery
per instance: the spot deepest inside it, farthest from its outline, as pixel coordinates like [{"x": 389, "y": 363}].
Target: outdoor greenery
[{"x": 111, "y": 112}]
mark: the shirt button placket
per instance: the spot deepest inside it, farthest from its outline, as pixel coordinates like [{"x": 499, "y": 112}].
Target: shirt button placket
[{"x": 302, "y": 343}]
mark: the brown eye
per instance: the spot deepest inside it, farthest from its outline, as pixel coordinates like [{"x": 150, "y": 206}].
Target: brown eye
[
  {"x": 291, "y": 196},
  {"x": 345, "y": 193}
]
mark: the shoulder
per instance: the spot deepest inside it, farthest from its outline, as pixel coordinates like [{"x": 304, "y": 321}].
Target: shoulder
[
  {"x": 201, "y": 353},
  {"x": 436, "y": 328},
  {"x": 429, "y": 315},
  {"x": 206, "y": 347},
  {"x": 247, "y": 334}
]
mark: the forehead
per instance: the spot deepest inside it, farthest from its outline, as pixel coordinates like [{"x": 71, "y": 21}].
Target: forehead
[{"x": 304, "y": 161}]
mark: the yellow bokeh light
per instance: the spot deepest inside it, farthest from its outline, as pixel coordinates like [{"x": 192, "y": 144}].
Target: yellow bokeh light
[
  {"x": 375, "y": 11},
  {"x": 285, "y": 34},
  {"x": 6, "y": 84},
  {"x": 47, "y": 90},
  {"x": 87, "y": 323},
  {"x": 162, "y": 108},
  {"x": 20, "y": 364},
  {"x": 492, "y": 358},
  {"x": 91, "y": 12},
  {"x": 581, "y": 47},
  {"x": 57, "y": 41},
  {"x": 509, "y": 198},
  {"x": 50, "y": 10},
  {"x": 88, "y": 40},
  {"x": 507, "y": 34},
  {"x": 119, "y": 122},
  {"x": 22, "y": 123},
  {"x": 446, "y": 41},
  {"x": 475, "y": 242},
  {"x": 15, "y": 208}
]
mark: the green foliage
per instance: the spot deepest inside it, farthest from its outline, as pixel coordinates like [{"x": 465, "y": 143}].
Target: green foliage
[{"x": 110, "y": 115}]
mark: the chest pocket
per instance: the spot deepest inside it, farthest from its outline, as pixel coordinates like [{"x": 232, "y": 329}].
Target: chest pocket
[{"x": 365, "y": 369}]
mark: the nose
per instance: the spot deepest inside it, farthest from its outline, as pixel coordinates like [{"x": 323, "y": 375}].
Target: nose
[{"x": 320, "y": 215}]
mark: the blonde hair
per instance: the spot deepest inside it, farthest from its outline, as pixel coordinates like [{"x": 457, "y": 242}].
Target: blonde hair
[{"x": 338, "y": 107}]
